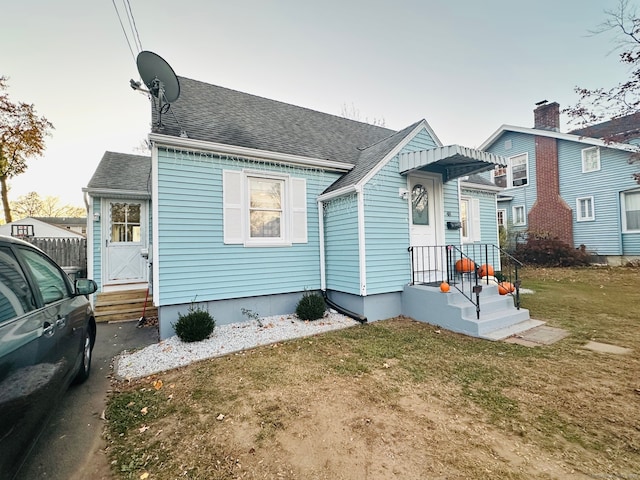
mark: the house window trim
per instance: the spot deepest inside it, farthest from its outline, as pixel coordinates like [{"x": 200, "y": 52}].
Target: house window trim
[
  {"x": 515, "y": 216},
  {"x": 504, "y": 217},
  {"x": 509, "y": 171},
  {"x": 583, "y": 156},
  {"x": 579, "y": 217},
  {"x": 623, "y": 208},
  {"x": 236, "y": 211}
]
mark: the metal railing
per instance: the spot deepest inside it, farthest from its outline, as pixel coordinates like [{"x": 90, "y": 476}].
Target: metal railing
[{"x": 466, "y": 268}]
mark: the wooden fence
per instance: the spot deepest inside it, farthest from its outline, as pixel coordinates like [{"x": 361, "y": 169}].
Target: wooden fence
[{"x": 67, "y": 252}]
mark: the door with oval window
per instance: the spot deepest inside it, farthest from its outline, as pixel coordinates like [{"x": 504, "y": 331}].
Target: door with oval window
[
  {"x": 125, "y": 238},
  {"x": 425, "y": 219},
  {"x": 425, "y": 211}
]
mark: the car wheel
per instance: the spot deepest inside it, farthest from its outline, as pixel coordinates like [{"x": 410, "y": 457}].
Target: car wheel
[{"x": 87, "y": 350}]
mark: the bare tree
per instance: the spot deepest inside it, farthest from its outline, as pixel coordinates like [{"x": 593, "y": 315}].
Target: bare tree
[
  {"x": 352, "y": 113},
  {"x": 600, "y": 104},
  {"x": 22, "y": 135},
  {"x": 31, "y": 205}
]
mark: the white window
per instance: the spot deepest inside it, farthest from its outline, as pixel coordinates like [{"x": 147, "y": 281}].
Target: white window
[
  {"x": 516, "y": 174},
  {"x": 263, "y": 209},
  {"x": 519, "y": 216},
  {"x": 631, "y": 211},
  {"x": 470, "y": 219},
  {"x": 585, "y": 210},
  {"x": 590, "y": 159},
  {"x": 502, "y": 218},
  {"x": 519, "y": 170}
]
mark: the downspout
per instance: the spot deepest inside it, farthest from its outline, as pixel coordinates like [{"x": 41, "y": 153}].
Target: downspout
[{"x": 323, "y": 278}]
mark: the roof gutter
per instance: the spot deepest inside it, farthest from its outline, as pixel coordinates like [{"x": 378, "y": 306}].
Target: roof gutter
[{"x": 201, "y": 145}]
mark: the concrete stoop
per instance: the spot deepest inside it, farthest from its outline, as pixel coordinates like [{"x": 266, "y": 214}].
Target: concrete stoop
[{"x": 499, "y": 318}]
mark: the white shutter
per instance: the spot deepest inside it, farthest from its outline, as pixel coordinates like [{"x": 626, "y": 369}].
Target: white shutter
[
  {"x": 232, "y": 210},
  {"x": 476, "y": 235},
  {"x": 298, "y": 210}
]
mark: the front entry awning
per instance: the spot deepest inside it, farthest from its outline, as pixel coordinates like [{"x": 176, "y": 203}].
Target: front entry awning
[{"x": 452, "y": 161}]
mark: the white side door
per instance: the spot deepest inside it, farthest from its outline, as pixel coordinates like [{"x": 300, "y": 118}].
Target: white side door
[{"x": 125, "y": 233}]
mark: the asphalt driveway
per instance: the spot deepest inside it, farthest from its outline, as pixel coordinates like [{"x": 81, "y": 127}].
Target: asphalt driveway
[{"x": 70, "y": 446}]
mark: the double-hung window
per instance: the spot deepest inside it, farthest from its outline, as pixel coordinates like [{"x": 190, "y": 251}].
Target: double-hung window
[
  {"x": 519, "y": 215},
  {"x": 585, "y": 210},
  {"x": 263, "y": 209},
  {"x": 516, "y": 174},
  {"x": 590, "y": 159},
  {"x": 631, "y": 211}
]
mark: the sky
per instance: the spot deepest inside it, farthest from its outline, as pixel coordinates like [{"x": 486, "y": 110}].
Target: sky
[{"x": 466, "y": 66}]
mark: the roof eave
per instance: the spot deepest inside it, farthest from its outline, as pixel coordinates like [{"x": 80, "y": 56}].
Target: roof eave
[{"x": 221, "y": 148}]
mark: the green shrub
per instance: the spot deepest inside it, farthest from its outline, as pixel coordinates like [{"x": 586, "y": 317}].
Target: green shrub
[
  {"x": 195, "y": 325},
  {"x": 311, "y": 307}
]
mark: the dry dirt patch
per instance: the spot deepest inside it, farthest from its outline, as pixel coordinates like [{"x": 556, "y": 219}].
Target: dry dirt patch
[{"x": 400, "y": 399}]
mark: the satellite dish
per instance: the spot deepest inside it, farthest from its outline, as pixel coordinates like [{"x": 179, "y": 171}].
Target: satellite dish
[{"x": 160, "y": 79}]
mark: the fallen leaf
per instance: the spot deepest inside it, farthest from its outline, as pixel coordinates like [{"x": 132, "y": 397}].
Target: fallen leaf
[
  {"x": 144, "y": 476},
  {"x": 220, "y": 417},
  {"x": 143, "y": 429},
  {"x": 145, "y": 410}
]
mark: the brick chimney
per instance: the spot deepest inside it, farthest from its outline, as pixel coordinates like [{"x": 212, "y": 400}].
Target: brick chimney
[
  {"x": 547, "y": 116},
  {"x": 550, "y": 214}
]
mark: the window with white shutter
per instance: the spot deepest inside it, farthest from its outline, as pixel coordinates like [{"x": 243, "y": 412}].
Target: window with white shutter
[{"x": 263, "y": 209}]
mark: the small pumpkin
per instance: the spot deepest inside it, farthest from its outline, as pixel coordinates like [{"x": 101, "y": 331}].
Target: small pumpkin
[
  {"x": 444, "y": 287},
  {"x": 505, "y": 287},
  {"x": 465, "y": 265},
  {"x": 486, "y": 270}
]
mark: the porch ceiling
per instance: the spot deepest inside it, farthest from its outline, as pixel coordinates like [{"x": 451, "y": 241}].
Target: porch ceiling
[{"x": 452, "y": 161}]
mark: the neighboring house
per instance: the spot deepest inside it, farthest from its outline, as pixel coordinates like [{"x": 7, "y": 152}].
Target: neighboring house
[
  {"x": 577, "y": 188},
  {"x": 73, "y": 224},
  {"x": 246, "y": 203},
  {"x": 31, "y": 227}
]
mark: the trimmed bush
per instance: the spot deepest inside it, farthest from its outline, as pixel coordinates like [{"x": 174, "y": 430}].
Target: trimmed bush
[
  {"x": 195, "y": 326},
  {"x": 311, "y": 307}
]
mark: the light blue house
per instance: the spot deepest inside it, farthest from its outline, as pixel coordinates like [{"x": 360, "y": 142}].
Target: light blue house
[
  {"x": 246, "y": 203},
  {"x": 576, "y": 187}
]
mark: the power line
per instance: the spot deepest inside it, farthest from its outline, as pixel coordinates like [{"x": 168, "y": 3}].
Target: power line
[
  {"x": 134, "y": 28},
  {"x": 123, "y": 29}
]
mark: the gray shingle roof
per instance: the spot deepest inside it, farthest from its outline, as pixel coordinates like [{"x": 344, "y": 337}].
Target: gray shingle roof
[
  {"x": 619, "y": 129},
  {"x": 122, "y": 171},
  {"x": 217, "y": 114}
]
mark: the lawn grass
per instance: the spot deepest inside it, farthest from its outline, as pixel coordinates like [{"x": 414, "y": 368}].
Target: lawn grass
[{"x": 404, "y": 399}]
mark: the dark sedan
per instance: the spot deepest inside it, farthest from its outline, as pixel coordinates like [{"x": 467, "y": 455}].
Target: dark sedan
[{"x": 47, "y": 333}]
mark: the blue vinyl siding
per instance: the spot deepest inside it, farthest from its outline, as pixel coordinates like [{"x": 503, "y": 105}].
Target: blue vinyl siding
[
  {"x": 631, "y": 243},
  {"x": 193, "y": 261},
  {"x": 342, "y": 258},
  {"x": 451, "y": 205},
  {"x": 601, "y": 235},
  {"x": 421, "y": 141},
  {"x": 386, "y": 231},
  {"x": 525, "y": 195}
]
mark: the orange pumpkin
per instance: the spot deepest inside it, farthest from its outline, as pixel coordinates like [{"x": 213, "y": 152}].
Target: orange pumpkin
[
  {"x": 444, "y": 287},
  {"x": 465, "y": 265},
  {"x": 485, "y": 270},
  {"x": 505, "y": 287}
]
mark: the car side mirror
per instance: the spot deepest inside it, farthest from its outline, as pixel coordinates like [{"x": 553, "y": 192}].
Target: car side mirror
[{"x": 85, "y": 286}]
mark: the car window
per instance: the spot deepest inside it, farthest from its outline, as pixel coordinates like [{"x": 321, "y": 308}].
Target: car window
[
  {"x": 49, "y": 279},
  {"x": 16, "y": 298}
]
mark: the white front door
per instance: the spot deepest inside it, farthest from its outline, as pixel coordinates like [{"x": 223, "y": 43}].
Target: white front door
[
  {"x": 426, "y": 217},
  {"x": 125, "y": 234},
  {"x": 425, "y": 214}
]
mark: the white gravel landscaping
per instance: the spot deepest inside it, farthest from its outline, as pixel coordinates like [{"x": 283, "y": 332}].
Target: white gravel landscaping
[{"x": 172, "y": 352}]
